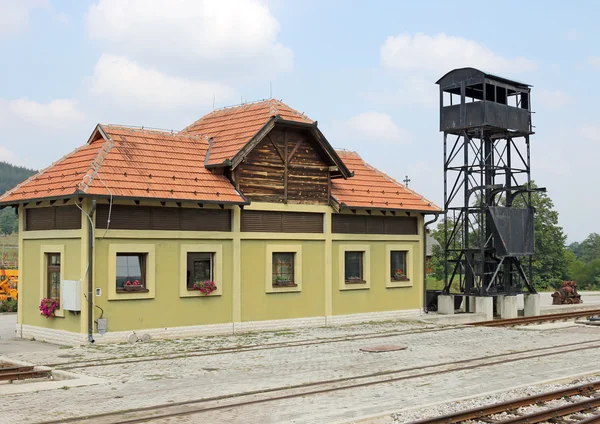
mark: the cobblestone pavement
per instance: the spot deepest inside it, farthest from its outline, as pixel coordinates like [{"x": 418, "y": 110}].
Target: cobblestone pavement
[{"x": 140, "y": 384}]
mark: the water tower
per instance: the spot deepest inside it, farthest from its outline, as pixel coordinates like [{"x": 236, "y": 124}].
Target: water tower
[{"x": 489, "y": 232}]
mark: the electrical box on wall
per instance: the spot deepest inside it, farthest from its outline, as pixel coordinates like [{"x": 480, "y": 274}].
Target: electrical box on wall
[{"x": 71, "y": 295}]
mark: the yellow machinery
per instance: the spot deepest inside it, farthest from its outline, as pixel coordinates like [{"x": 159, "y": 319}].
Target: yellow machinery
[{"x": 9, "y": 283}]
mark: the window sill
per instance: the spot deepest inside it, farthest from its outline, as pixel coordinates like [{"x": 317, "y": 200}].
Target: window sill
[
  {"x": 399, "y": 283},
  {"x": 355, "y": 282},
  {"x": 119, "y": 291},
  {"x": 197, "y": 293},
  {"x": 275, "y": 285},
  {"x": 400, "y": 279}
]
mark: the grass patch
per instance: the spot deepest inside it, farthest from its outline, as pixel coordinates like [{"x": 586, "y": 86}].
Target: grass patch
[{"x": 433, "y": 284}]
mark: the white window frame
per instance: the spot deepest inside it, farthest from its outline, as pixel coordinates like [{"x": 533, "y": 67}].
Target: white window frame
[
  {"x": 217, "y": 268},
  {"x": 366, "y": 249},
  {"x": 54, "y": 248},
  {"x": 283, "y": 248},
  {"x": 409, "y": 248},
  {"x": 150, "y": 283}
]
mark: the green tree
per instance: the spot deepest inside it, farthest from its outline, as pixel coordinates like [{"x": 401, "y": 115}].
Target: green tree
[
  {"x": 549, "y": 260},
  {"x": 588, "y": 249},
  {"x": 551, "y": 263},
  {"x": 8, "y": 221}
]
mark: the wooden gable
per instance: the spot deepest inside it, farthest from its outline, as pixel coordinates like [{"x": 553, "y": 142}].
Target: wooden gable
[{"x": 287, "y": 165}]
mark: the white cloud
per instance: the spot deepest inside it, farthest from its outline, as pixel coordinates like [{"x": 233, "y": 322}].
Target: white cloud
[
  {"x": 594, "y": 61},
  {"x": 573, "y": 35},
  {"x": 126, "y": 81},
  {"x": 591, "y": 132},
  {"x": 54, "y": 116},
  {"x": 554, "y": 99},
  {"x": 14, "y": 14},
  {"x": 441, "y": 53},
  {"x": 198, "y": 35},
  {"x": 6, "y": 155},
  {"x": 414, "y": 90},
  {"x": 369, "y": 127}
]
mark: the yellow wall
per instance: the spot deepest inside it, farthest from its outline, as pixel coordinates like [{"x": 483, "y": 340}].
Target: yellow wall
[
  {"x": 378, "y": 297},
  {"x": 245, "y": 292},
  {"x": 258, "y": 305},
  {"x": 167, "y": 308},
  {"x": 31, "y": 280}
]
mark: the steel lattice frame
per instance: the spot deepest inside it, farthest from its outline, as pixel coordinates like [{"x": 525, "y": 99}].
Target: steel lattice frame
[{"x": 483, "y": 167}]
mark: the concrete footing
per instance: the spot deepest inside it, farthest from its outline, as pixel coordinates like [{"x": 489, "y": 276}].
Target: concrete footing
[
  {"x": 507, "y": 306},
  {"x": 532, "y": 305},
  {"x": 446, "y": 304},
  {"x": 485, "y": 305}
]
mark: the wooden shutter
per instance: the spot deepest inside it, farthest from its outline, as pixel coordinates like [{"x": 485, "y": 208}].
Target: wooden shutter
[
  {"x": 205, "y": 219},
  {"x": 302, "y": 222},
  {"x": 368, "y": 224},
  {"x": 281, "y": 222},
  {"x": 163, "y": 218},
  {"x": 67, "y": 218},
  {"x": 348, "y": 224},
  {"x": 404, "y": 225},
  {"x": 261, "y": 221},
  {"x": 53, "y": 218},
  {"x": 39, "y": 219}
]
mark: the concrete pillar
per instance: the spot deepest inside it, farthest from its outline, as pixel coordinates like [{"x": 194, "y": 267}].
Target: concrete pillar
[
  {"x": 471, "y": 304},
  {"x": 532, "y": 305},
  {"x": 485, "y": 305},
  {"x": 446, "y": 304},
  {"x": 507, "y": 306}
]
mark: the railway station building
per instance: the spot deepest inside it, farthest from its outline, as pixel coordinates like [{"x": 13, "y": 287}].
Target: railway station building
[{"x": 245, "y": 220}]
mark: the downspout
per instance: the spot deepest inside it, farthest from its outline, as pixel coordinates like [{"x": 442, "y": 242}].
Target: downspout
[
  {"x": 91, "y": 274},
  {"x": 425, "y": 224}
]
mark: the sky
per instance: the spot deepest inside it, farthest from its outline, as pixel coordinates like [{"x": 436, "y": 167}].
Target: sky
[{"x": 365, "y": 70}]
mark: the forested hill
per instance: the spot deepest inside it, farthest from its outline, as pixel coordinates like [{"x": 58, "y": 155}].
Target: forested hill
[{"x": 11, "y": 175}]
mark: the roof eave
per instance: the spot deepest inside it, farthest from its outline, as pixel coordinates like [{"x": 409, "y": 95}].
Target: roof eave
[
  {"x": 244, "y": 202},
  {"x": 423, "y": 211}
]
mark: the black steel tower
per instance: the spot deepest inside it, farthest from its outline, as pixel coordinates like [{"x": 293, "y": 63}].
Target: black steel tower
[{"x": 486, "y": 121}]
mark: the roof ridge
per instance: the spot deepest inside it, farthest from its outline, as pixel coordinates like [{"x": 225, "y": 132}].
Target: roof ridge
[
  {"x": 96, "y": 163},
  {"x": 38, "y": 174},
  {"x": 384, "y": 175},
  {"x": 224, "y": 108},
  {"x": 296, "y": 112},
  {"x": 154, "y": 130}
]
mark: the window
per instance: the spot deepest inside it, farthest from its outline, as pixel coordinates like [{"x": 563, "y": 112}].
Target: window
[
  {"x": 398, "y": 271},
  {"x": 131, "y": 272},
  {"x": 283, "y": 269},
  {"x": 353, "y": 267},
  {"x": 200, "y": 268},
  {"x": 53, "y": 275}
]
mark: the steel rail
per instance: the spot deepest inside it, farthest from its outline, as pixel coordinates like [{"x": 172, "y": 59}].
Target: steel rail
[
  {"x": 553, "y": 413},
  {"x": 238, "y": 349},
  {"x": 306, "y": 389},
  {"x": 595, "y": 419},
  {"x": 497, "y": 408},
  {"x": 536, "y": 319}
]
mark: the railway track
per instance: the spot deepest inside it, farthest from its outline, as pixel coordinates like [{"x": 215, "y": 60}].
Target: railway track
[
  {"x": 237, "y": 400},
  {"x": 308, "y": 342},
  {"x": 22, "y": 372},
  {"x": 537, "y": 319},
  {"x": 577, "y": 404},
  {"x": 237, "y": 349}
]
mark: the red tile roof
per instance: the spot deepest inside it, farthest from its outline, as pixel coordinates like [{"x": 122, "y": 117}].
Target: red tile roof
[
  {"x": 371, "y": 188},
  {"x": 133, "y": 163},
  {"x": 142, "y": 163},
  {"x": 231, "y": 128}
]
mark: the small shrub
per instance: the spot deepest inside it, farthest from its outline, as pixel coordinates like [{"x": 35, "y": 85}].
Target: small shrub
[{"x": 9, "y": 305}]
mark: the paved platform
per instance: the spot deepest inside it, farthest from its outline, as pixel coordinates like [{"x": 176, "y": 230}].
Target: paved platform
[
  {"x": 190, "y": 377},
  {"x": 10, "y": 344}
]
